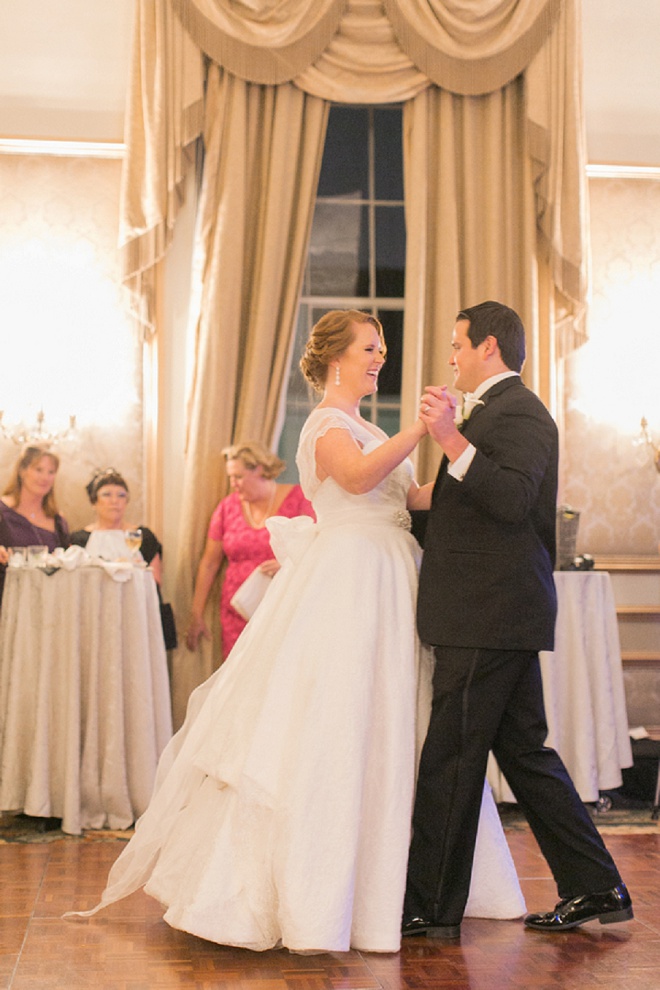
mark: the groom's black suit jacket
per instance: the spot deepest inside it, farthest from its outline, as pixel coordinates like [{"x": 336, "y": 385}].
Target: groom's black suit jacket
[
  {"x": 487, "y": 602},
  {"x": 489, "y": 548}
]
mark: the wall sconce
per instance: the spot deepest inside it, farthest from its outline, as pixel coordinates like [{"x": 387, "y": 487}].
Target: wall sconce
[
  {"x": 646, "y": 438},
  {"x": 38, "y": 434}
]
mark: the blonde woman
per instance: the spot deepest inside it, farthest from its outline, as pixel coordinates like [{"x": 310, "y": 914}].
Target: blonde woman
[
  {"x": 28, "y": 510},
  {"x": 238, "y": 532}
]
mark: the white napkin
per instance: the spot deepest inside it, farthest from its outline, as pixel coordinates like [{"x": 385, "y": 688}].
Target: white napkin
[
  {"x": 69, "y": 559},
  {"x": 75, "y": 556},
  {"x": 118, "y": 570}
]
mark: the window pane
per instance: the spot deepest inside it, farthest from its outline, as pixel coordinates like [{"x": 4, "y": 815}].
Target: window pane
[
  {"x": 389, "y": 153},
  {"x": 357, "y": 254},
  {"x": 338, "y": 250},
  {"x": 345, "y": 165},
  {"x": 390, "y": 251},
  {"x": 389, "y": 379},
  {"x": 298, "y": 386},
  {"x": 300, "y": 400},
  {"x": 389, "y": 419}
]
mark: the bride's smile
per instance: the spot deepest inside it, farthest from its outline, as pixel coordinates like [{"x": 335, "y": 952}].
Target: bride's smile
[{"x": 355, "y": 373}]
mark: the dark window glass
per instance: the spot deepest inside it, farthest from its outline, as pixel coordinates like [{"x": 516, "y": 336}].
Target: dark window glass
[
  {"x": 345, "y": 166},
  {"x": 390, "y": 251},
  {"x": 389, "y": 153},
  {"x": 356, "y": 255},
  {"x": 338, "y": 251},
  {"x": 301, "y": 398},
  {"x": 389, "y": 379},
  {"x": 298, "y": 387}
]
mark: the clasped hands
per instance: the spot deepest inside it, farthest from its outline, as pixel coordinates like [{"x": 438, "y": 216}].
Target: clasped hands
[{"x": 438, "y": 410}]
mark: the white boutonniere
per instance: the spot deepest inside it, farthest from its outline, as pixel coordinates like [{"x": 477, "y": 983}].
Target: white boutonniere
[{"x": 469, "y": 404}]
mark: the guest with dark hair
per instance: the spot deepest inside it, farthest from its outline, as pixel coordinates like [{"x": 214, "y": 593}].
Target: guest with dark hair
[
  {"x": 104, "y": 537},
  {"x": 28, "y": 510}
]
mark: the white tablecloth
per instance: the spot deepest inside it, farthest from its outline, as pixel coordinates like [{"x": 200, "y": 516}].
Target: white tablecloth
[
  {"x": 583, "y": 688},
  {"x": 84, "y": 696}
]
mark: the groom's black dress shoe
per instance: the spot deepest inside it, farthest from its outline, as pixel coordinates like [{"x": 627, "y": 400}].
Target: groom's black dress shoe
[
  {"x": 422, "y": 926},
  {"x": 608, "y": 907}
]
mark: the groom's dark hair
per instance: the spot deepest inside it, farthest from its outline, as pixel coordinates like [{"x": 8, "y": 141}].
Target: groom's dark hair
[{"x": 494, "y": 319}]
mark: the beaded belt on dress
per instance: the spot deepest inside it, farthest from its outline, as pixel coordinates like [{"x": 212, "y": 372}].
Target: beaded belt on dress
[{"x": 400, "y": 518}]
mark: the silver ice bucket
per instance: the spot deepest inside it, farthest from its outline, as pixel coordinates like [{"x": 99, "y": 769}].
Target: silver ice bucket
[{"x": 568, "y": 521}]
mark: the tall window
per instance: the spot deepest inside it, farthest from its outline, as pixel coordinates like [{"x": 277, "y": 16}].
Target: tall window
[{"x": 356, "y": 254}]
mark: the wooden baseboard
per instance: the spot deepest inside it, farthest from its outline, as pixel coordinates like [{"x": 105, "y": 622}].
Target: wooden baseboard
[
  {"x": 640, "y": 656},
  {"x": 628, "y": 562},
  {"x": 638, "y": 610}
]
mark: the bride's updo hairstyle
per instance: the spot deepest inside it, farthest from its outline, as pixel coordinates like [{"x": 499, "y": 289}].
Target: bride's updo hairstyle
[{"x": 328, "y": 340}]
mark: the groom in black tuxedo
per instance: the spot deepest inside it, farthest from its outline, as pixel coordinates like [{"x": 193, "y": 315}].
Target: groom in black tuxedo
[{"x": 487, "y": 603}]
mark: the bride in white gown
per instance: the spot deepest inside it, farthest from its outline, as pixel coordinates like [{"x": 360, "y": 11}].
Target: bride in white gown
[{"x": 281, "y": 813}]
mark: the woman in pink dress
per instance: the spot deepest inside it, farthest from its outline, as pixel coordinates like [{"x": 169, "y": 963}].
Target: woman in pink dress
[{"x": 238, "y": 532}]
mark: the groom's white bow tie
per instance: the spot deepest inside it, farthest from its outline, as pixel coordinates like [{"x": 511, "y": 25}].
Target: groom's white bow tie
[{"x": 469, "y": 403}]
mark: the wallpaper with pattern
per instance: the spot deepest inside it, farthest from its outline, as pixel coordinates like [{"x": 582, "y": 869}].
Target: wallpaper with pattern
[
  {"x": 614, "y": 379},
  {"x": 67, "y": 342}
]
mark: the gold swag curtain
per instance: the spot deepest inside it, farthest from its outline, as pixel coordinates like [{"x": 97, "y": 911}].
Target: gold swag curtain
[
  {"x": 374, "y": 55},
  {"x": 495, "y": 194},
  {"x": 263, "y": 154},
  {"x": 164, "y": 116}
]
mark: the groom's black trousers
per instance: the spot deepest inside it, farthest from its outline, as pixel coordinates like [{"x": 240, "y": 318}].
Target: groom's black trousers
[{"x": 493, "y": 700}]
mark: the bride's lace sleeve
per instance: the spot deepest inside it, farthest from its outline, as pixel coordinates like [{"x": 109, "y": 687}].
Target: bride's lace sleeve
[{"x": 316, "y": 427}]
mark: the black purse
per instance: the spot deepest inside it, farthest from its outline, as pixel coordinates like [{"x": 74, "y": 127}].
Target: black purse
[{"x": 169, "y": 626}]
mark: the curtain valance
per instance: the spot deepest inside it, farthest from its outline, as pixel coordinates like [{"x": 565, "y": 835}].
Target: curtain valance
[
  {"x": 364, "y": 62},
  {"x": 468, "y": 47},
  {"x": 475, "y": 47},
  {"x": 352, "y": 51},
  {"x": 261, "y": 41}
]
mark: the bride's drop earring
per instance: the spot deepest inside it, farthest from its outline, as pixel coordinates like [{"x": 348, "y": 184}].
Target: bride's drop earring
[{"x": 337, "y": 375}]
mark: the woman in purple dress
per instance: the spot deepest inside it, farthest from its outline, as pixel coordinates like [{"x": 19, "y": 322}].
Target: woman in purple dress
[{"x": 28, "y": 511}]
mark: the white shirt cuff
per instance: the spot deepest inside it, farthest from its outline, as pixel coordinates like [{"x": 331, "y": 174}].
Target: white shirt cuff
[{"x": 459, "y": 468}]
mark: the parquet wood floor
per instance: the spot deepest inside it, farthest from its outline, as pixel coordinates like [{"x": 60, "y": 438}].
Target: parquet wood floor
[{"x": 129, "y": 947}]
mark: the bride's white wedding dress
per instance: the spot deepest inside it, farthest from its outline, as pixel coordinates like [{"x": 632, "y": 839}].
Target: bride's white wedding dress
[{"x": 282, "y": 808}]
